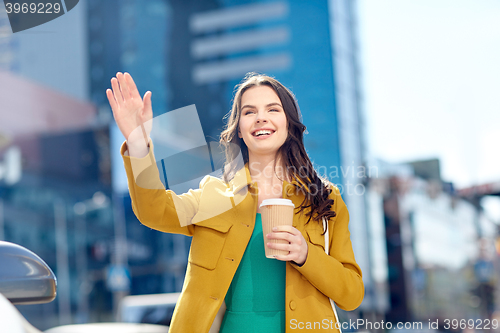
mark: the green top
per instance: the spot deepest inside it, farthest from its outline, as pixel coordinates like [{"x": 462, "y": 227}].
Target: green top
[{"x": 255, "y": 300}]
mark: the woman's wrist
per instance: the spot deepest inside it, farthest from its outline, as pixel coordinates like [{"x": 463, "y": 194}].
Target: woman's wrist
[
  {"x": 137, "y": 148},
  {"x": 301, "y": 261}
]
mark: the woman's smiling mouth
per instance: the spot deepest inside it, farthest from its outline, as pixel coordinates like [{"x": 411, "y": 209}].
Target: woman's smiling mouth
[{"x": 262, "y": 133}]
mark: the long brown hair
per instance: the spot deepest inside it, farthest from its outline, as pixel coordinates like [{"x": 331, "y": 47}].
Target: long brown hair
[{"x": 293, "y": 155}]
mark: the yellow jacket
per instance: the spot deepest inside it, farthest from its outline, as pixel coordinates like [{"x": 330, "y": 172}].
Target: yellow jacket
[{"x": 220, "y": 217}]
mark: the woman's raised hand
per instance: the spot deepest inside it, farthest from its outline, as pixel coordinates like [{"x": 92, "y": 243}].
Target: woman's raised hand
[{"x": 132, "y": 114}]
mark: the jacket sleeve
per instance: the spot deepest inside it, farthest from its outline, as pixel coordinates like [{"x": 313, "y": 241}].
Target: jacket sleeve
[
  {"x": 154, "y": 206},
  {"x": 337, "y": 275}
]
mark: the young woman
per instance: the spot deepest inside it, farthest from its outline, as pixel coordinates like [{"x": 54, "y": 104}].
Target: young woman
[{"x": 230, "y": 285}]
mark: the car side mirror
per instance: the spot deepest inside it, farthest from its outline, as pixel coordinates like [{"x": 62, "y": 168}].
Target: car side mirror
[{"x": 24, "y": 277}]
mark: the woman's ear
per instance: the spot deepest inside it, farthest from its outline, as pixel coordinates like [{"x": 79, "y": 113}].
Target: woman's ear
[{"x": 239, "y": 134}]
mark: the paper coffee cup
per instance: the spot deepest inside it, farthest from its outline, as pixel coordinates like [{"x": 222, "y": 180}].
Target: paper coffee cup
[{"x": 275, "y": 212}]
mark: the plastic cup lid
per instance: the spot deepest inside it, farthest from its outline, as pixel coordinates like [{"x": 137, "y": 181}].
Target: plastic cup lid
[{"x": 282, "y": 202}]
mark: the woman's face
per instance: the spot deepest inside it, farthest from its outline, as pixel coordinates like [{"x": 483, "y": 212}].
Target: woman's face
[{"x": 263, "y": 124}]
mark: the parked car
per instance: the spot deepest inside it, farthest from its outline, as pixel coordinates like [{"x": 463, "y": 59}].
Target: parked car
[
  {"x": 26, "y": 279},
  {"x": 151, "y": 309},
  {"x": 109, "y": 328}
]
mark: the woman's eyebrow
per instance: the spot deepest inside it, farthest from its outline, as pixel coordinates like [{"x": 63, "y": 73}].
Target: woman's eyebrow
[
  {"x": 268, "y": 105},
  {"x": 248, "y": 106}
]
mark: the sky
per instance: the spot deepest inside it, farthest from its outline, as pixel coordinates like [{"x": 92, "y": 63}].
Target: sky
[{"x": 430, "y": 73}]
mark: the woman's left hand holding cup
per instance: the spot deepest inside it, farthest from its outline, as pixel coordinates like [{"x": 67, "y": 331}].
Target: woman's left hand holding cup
[{"x": 297, "y": 246}]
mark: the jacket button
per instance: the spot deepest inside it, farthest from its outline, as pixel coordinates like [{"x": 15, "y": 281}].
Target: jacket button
[{"x": 293, "y": 306}]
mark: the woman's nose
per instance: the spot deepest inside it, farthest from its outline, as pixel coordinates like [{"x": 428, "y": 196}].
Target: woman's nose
[{"x": 261, "y": 118}]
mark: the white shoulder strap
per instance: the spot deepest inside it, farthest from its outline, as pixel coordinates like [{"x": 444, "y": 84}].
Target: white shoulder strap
[{"x": 327, "y": 251}]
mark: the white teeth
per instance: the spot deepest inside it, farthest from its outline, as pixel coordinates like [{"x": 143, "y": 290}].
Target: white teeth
[{"x": 261, "y": 132}]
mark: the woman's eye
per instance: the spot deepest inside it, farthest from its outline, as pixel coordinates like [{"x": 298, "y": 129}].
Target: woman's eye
[
  {"x": 275, "y": 110},
  {"x": 247, "y": 112}
]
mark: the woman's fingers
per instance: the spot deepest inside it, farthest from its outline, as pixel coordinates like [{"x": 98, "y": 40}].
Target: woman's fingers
[
  {"x": 111, "y": 100},
  {"x": 116, "y": 91},
  {"x": 131, "y": 87},
  {"x": 125, "y": 91},
  {"x": 282, "y": 235},
  {"x": 123, "y": 86},
  {"x": 147, "y": 102},
  {"x": 297, "y": 245},
  {"x": 282, "y": 247},
  {"x": 147, "y": 113},
  {"x": 129, "y": 109},
  {"x": 286, "y": 229}
]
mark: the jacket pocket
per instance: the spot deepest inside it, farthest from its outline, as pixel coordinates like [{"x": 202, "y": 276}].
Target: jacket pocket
[{"x": 208, "y": 241}]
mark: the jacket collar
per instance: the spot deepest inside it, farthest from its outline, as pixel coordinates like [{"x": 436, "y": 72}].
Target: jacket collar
[{"x": 242, "y": 179}]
